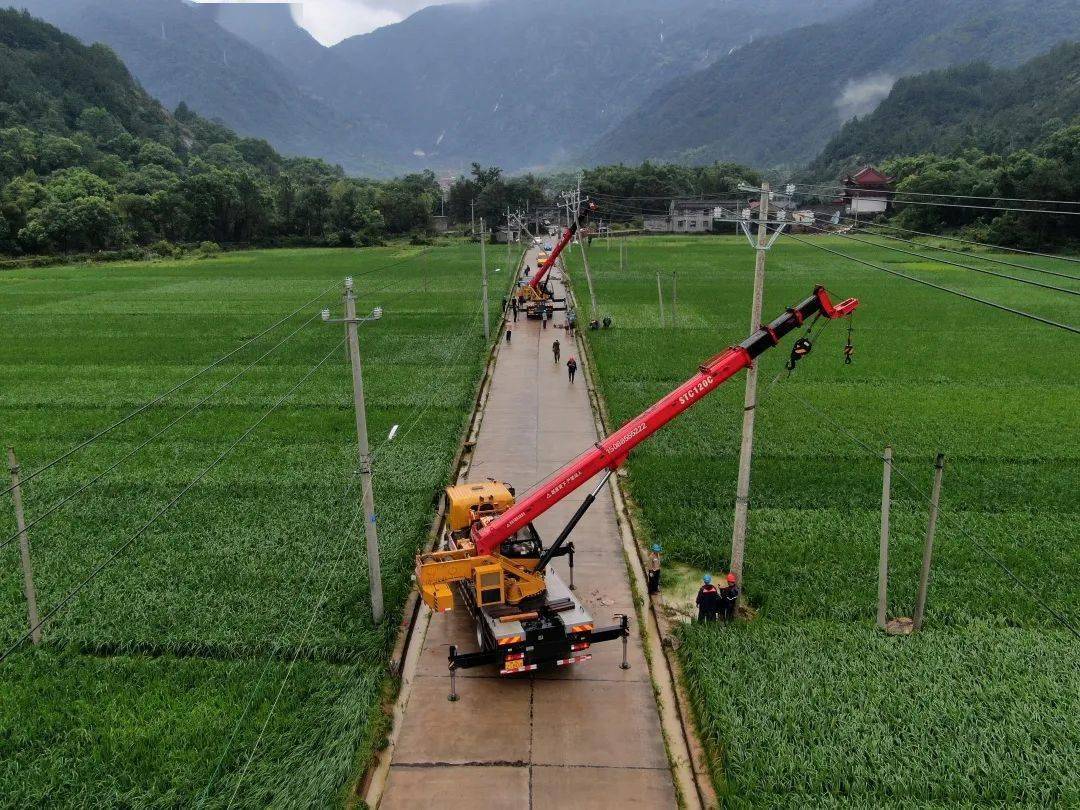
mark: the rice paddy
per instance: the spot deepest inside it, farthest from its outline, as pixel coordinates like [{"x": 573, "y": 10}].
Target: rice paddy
[
  {"x": 228, "y": 653},
  {"x": 808, "y": 704}
]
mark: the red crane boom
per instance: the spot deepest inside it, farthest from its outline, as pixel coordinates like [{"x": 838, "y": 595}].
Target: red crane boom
[
  {"x": 609, "y": 453},
  {"x": 568, "y": 234}
]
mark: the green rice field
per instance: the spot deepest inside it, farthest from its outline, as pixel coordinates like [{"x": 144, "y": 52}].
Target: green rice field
[
  {"x": 808, "y": 705},
  {"x": 227, "y": 654}
]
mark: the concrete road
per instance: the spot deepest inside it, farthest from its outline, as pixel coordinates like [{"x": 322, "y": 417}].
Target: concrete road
[{"x": 582, "y": 736}]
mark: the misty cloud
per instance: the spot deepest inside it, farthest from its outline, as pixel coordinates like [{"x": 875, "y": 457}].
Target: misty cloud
[
  {"x": 861, "y": 96},
  {"x": 331, "y": 21}
]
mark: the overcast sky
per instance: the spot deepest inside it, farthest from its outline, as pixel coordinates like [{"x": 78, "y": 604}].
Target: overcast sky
[{"x": 331, "y": 21}]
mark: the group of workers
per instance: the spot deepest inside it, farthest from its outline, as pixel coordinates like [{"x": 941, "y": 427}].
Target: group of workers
[{"x": 712, "y": 603}]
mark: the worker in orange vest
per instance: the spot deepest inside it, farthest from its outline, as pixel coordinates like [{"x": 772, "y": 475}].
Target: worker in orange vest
[
  {"x": 729, "y": 598},
  {"x": 708, "y": 600}
]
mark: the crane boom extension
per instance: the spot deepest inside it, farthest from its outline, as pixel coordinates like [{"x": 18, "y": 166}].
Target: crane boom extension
[
  {"x": 609, "y": 453},
  {"x": 568, "y": 234}
]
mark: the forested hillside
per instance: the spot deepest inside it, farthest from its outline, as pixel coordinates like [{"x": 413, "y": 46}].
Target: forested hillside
[
  {"x": 972, "y": 106},
  {"x": 88, "y": 161},
  {"x": 778, "y": 100},
  {"x": 180, "y": 53}
]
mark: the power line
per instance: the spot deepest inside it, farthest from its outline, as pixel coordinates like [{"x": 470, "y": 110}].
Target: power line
[
  {"x": 203, "y": 371},
  {"x": 172, "y": 390},
  {"x": 354, "y": 479},
  {"x": 303, "y": 588},
  {"x": 292, "y": 663},
  {"x": 917, "y": 280},
  {"x": 172, "y": 502},
  {"x": 1072, "y": 259},
  {"x": 966, "y": 205},
  {"x": 944, "y": 194},
  {"x": 837, "y": 427},
  {"x": 946, "y": 261},
  {"x": 60, "y": 504}
]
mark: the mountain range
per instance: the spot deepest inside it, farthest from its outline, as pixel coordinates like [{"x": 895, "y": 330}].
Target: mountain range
[
  {"x": 540, "y": 84},
  {"x": 520, "y": 83},
  {"x": 780, "y": 99},
  {"x": 975, "y": 106}
]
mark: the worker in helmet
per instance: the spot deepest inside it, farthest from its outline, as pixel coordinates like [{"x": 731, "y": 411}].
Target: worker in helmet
[
  {"x": 654, "y": 569},
  {"x": 708, "y": 600},
  {"x": 729, "y": 598}
]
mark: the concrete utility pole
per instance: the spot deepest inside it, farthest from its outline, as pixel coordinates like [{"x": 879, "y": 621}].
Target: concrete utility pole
[
  {"x": 508, "y": 238},
  {"x": 674, "y": 296},
  {"x": 24, "y": 549},
  {"x": 928, "y": 546},
  {"x": 483, "y": 275},
  {"x": 746, "y": 446},
  {"x": 472, "y": 218},
  {"x": 883, "y": 549},
  {"x": 370, "y": 530},
  {"x": 588, "y": 278},
  {"x": 660, "y": 298}
]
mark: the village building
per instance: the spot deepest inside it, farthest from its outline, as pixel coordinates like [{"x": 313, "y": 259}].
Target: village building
[
  {"x": 868, "y": 192},
  {"x": 693, "y": 215}
]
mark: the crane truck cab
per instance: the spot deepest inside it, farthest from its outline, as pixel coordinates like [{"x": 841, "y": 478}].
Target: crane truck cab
[{"x": 525, "y": 619}]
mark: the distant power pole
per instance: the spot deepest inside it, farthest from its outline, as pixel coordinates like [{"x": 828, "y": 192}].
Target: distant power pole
[
  {"x": 883, "y": 545},
  {"x": 370, "y": 530},
  {"x": 484, "y": 283},
  {"x": 928, "y": 545},
  {"x": 508, "y": 239},
  {"x": 24, "y": 549},
  {"x": 660, "y": 298},
  {"x": 674, "y": 297},
  {"x": 746, "y": 446},
  {"x": 472, "y": 218}
]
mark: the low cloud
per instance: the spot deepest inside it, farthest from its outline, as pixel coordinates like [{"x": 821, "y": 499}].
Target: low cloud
[
  {"x": 861, "y": 96},
  {"x": 331, "y": 21}
]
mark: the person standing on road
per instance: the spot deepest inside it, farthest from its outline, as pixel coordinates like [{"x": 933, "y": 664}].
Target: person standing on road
[
  {"x": 729, "y": 598},
  {"x": 508, "y": 335},
  {"x": 543, "y": 318},
  {"x": 708, "y": 600},
  {"x": 555, "y": 349},
  {"x": 514, "y": 303},
  {"x": 654, "y": 569},
  {"x": 571, "y": 368}
]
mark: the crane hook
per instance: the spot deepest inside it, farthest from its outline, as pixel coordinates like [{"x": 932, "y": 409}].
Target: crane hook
[
  {"x": 849, "y": 347},
  {"x": 801, "y": 348}
]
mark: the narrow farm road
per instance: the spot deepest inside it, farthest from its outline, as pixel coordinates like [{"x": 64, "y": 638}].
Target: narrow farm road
[{"x": 582, "y": 736}]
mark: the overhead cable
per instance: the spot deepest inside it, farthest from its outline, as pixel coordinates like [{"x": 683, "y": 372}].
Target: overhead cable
[
  {"x": 1038, "y": 318},
  {"x": 67, "y": 599}
]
